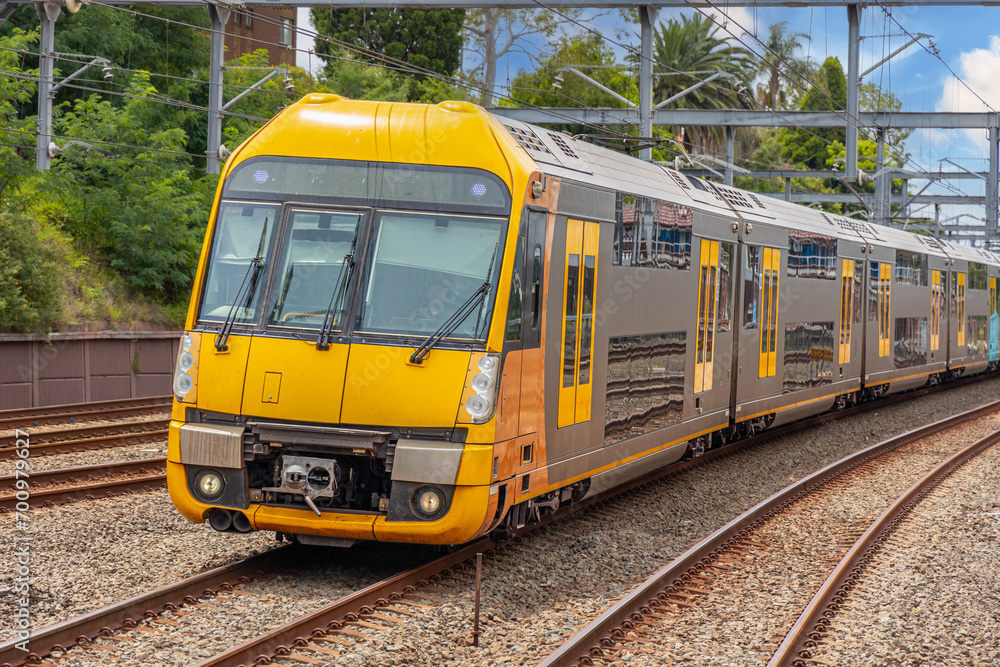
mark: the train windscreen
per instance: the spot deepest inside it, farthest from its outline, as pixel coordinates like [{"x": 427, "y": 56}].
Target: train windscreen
[{"x": 422, "y": 268}]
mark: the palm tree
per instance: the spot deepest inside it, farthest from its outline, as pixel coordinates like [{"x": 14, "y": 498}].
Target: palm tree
[
  {"x": 687, "y": 51},
  {"x": 781, "y": 46}
]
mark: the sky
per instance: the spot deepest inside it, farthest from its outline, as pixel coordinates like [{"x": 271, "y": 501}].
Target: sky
[{"x": 961, "y": 77}]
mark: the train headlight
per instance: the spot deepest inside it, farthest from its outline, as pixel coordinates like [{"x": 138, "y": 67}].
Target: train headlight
[
  {"x": 428, "y": 502},
  {"x": 209, "y": 484},
  {"x": 183, "y": 384},
  {"x": 482, "y": 383},
  {"x": 477, "y": 407},
  {"x": 480, "y": 404},
  {"x": 186, "y": 370}
]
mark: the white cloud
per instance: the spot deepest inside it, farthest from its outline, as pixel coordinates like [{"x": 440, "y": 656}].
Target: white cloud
[{"x": 978, "y": 69}]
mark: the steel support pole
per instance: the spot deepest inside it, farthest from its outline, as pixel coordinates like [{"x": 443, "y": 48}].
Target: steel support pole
[
  {"x": 881, "y": 191},
  {"x": 788, "y": 189},
  {"x": 991, "y": 185},
  {"x": 853, "y": 81},
  {"x": 47, "y": 15},
  {"x": 730, "y": 154},
  {"x": 647, "y": 17},
  {"x": 220, "y": 17}
]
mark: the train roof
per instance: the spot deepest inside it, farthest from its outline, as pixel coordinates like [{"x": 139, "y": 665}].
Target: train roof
[{"x": 561, "y": 155}]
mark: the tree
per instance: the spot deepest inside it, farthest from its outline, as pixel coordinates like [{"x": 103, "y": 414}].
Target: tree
[
  {"x": 496, "y": 33},
  {"x": 689, "y": 50},
  {"x": 138, "y": 208},
  {"x": 589, "y": 53},
  {"x": 136, "y": 39},
  {"x": 426, "y": 40},
  {"x": 29, "y": 275},
  {"x": 16, "y": 143},
  {"x": 780, "y": 49},
  {"x": 808, "y": 147}
]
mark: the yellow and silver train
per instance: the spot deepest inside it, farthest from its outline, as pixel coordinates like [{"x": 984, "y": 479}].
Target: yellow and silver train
[{"x": 420, "y": 323}]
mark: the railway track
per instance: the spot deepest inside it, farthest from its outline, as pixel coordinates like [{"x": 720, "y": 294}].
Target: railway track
[
  {"x": 53, "y": 487},
  {"x": 330, "y": 629},
  {"x": 802, "y": 529},
  {"x": 82, "y": 438},
  {"x": 74, "y": 412}
]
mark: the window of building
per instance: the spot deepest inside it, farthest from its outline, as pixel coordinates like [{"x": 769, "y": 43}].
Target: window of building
[
  {"x": 249, "y": 16},
  {"x": 287, "y": 29}
]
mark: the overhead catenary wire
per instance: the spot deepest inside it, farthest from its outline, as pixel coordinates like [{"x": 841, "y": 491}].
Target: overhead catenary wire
[{"x": 383, "y": 61}]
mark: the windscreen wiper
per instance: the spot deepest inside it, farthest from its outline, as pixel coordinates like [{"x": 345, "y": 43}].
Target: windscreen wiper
[
  {"x": 329, "y": 321},
  {"x": 249, "y": 278},
  {"x": 472, "y": 303}
]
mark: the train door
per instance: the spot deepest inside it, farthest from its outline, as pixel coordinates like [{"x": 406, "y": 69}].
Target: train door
[
  {"x": 577, "y": 344},
  {"x": 759, "y": 325},
  {"x": 521, "y": 396},
  {"x": 878, "y": 315},
  {"x": 956, "y": 314},
  {"x": 714, "y": 323}
]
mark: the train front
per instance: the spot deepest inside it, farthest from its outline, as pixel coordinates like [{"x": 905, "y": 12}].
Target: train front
[{"x": 338, "y": 377}]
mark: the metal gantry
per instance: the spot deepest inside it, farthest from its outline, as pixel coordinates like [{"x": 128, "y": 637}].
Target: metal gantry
[{"x": 645, "y": 117}]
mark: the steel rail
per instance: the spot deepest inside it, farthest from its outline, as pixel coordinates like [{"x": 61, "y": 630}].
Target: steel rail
[
  {"x": 85, "y": 629},
  {"x": 85, "y": 432},
  {"x": 810, "y": 627},
  {"x": 587, "y": 643},
  {"x": 82, "y": 492},
  {"x": 116, "y": 435},
  {"x": 75, "y": 411},
  {"x": 283, "y": 640}
]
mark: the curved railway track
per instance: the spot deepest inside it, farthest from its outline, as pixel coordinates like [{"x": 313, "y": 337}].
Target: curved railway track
[
  {"x": 347, "y": 619},
  {"x": 691, "y": 579},
  {"x": 53, "y": 487},
  {"x": 810, "y": 630},
  {"x": 74, "y": 412}
]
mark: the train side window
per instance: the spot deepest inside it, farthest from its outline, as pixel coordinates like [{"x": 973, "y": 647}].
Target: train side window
[
  {"x": 708, "y": 288},
  {"x": 536, "y": 285},
  {"x": 846, "y": 309},
  {"x": 580, "y": 294},
  {"x": 977, "y": 276},
  {"x": 769, "y": 315},
  {"x": 859, "y": 279},
  {"x": 884, "y": 302},
  {"x": 959, "y": 293},
  {"x": 725, "y": 310},
  {"x": 935, "y": 323},
  {"x": 514, "y": 305},
  {"x": 751, "y": 287}
]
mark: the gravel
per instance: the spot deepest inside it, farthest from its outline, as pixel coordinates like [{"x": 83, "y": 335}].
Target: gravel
[
  {"x": 931, "y": 597},
  {"x": 91, "y": 554},
  {"x": 149, "y": 450},
  {"x": 544, "y": 590}
]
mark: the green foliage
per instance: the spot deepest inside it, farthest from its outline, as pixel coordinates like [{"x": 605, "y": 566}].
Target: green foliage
[
  {"x": 265, "y": 102},
  {"x": 135, "y": 39},
  {"x": 425, "y": 39},
  {"x": 29, "y": 276},
  {"x": 781, "y": 47},
  {"x": 692, "y": 44},
  {"x": 17, "y": 148},
  {"x": 808, "y": 147},
  {"x": 591, "y": 55},
  {"x": 139, "y": 208}
]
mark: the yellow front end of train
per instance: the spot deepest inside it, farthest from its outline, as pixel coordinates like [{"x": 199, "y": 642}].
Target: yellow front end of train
[{"x": 340, "y": 371}]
